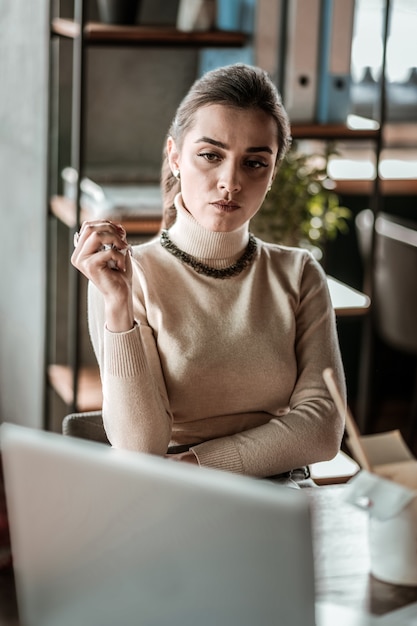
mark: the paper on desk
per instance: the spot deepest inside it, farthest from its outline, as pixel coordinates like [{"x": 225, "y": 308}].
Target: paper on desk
[
  {"x": 382, "y": 498},
  {"x": 388, "y": 456},
  {"x": 329, "y": 614},
  {"x": 403, "y": 473},
  {"x": 387, "y": 447}
]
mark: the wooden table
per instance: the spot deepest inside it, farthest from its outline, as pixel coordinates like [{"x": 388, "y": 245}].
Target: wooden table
[{"x": 340, "y": 536}]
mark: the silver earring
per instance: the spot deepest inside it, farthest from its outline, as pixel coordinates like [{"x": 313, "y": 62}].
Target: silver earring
[{"x": 177, "y": 174}]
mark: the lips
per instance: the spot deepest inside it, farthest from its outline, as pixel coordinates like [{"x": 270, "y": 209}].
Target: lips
[{"x": 225, "y": 205}]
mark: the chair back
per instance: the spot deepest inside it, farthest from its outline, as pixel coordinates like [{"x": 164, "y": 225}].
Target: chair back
[
  {"x": 394, "y": 295},
  {"x": 88, "y": 425},
  {"x": 364, "y": 223},
  {"x": 395, "y": 283}
]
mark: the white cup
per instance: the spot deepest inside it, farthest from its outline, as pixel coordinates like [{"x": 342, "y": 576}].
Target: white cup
[{"x": 393, "y": 547}]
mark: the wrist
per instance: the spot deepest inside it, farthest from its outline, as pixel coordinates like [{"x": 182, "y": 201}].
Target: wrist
[{"x": 119, "y": 319}]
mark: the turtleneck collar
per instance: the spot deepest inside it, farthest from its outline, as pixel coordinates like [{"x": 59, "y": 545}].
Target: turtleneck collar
[{"x": 215, "y": 249}]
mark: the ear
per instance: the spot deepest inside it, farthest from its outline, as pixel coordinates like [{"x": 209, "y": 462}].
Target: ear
[{"x": 173, "y": 155}]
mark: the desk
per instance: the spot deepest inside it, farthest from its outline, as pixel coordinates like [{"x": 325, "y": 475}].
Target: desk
[
  {"x": 346, "y": 300},
  {"x": 341, "y": 556},
  {"x": 340, "y": 535}
]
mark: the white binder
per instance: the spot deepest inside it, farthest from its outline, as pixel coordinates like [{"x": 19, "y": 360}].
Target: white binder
[
  {"x": 269, "y": 38},
  {"x": 300, "y": 80},
  {"x": 333, "y": 95}
]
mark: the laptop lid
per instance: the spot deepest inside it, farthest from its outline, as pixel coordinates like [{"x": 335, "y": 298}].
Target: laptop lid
[{"x": 103, "y": 537}]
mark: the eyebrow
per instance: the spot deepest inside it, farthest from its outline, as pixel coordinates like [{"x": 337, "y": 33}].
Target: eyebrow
[{"x": 224, "y": 146}]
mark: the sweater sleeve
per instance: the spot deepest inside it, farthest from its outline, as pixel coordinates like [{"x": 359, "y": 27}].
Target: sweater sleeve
[
  {"x": 136, "y": 412},
  {"x": 312, "y": 429}
]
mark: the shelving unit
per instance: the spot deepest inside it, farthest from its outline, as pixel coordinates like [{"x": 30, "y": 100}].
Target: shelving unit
[
  {"x": 402, "y": 135},
  {"x": 78, "y": 384}
]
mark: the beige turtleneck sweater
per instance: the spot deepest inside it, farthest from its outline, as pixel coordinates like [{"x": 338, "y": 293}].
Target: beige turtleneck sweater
[{"x": 232, "y": 366}]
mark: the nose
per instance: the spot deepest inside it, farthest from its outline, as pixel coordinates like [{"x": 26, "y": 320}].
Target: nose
[{"x": 229, "y": 178}]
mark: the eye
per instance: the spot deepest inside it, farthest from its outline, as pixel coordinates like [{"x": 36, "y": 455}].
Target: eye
[
  {"x": 211, "y": 157},
  {"x": 255, "y": 164}
]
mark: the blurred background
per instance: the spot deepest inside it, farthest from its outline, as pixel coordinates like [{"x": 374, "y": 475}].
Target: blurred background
[{"x": 97, "y": 108}]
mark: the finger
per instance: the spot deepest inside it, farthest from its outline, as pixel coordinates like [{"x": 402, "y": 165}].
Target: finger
[
  {"x": 108, "y": 232},
  {"x": 94, "y": 234},
  {"x": 104, "y": 237},
  {"x": 115, "y": 258},
  {"x": 105, "y": 226}
]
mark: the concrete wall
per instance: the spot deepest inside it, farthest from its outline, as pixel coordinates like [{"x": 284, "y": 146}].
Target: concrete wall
[
  {"x": 132, "y": 96},
  {"x": 23, "y": 141}
]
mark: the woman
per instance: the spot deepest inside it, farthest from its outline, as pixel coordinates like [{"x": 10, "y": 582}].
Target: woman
[{"x": 208, "y": 338}]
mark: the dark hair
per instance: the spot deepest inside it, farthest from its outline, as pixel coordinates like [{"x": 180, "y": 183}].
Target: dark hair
[{"x": 238, "y": 85}]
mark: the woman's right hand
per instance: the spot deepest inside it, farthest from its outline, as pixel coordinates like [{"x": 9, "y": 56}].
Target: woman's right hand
[{"x": 102, "y": 254}]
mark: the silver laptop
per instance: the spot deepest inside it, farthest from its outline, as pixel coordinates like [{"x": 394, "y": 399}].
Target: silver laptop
[{"x": 103, "y": 537}]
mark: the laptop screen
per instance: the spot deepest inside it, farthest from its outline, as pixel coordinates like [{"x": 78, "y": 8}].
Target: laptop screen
[{"x": 104, "y": 537}]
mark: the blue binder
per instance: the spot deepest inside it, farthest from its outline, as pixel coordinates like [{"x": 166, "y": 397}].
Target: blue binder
[{"x": 234, "y": 15}]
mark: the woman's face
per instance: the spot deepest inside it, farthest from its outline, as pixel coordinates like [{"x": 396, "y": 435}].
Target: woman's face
[{"x": 226, "y": 162}]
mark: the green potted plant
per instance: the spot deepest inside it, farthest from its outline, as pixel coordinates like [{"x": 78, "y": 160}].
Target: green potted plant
[{"x": 302, "y": 209}]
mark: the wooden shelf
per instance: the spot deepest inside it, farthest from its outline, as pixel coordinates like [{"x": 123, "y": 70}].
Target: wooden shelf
[
  {"x": 96, "y": 33},
  {"x": 65, "y": 210},
  {"x": 389, "y": 187},
  {"x": 331, "y": 131},
  {"x": 89, "y": 386}
]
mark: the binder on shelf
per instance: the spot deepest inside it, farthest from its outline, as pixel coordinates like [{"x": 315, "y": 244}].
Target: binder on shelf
[
  {"x": 232, "y": 15},
  {"x": 236, "y": 15},
  {"x": 196, "y": 15},
  {"x": 269, "y": 38},
  {"x": 300, "y": 72},
  {"x": 334, "y": 86},
  {"x": 211, "y": 59}
]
